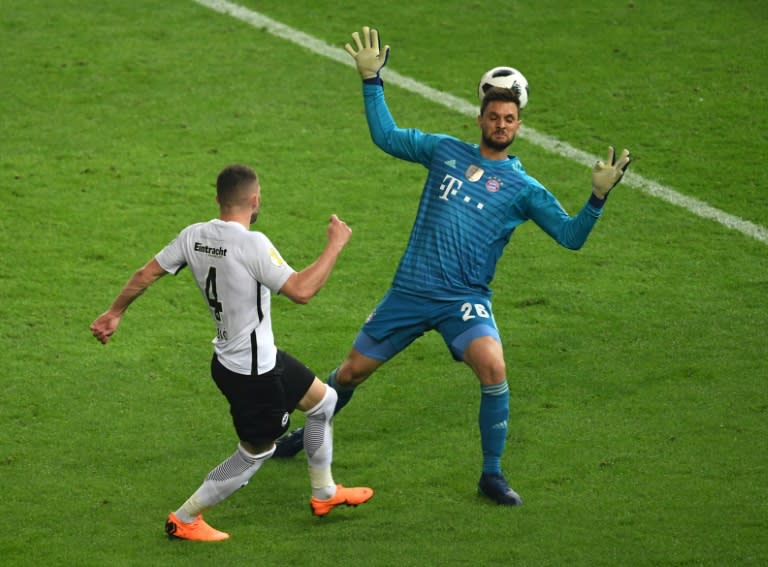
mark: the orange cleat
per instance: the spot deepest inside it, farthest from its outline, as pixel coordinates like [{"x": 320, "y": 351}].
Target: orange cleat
[
  {"x": 196, "y": 531},
  {"x": 344, "y": 497}
]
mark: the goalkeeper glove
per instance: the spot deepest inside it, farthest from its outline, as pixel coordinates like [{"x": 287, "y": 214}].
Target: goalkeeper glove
[
  {"x": 605, "y": 175},
  {"x": 369, "y": 57}
]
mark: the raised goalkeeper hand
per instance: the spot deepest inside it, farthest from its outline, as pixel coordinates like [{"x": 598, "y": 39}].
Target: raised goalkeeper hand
[
  {"x": 605, "y": 175},
  {"x": 369, "y": 56}
]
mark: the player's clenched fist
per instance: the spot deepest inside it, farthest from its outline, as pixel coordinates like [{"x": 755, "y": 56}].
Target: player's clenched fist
[
  {"x": 105, "y": 326},
  {"x": 338, "y": 231}
]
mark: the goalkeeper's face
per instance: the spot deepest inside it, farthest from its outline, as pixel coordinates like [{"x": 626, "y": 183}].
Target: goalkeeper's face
[{"x": 499, "y": 124}]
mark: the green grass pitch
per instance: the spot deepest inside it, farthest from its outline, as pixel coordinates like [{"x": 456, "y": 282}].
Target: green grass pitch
[{"x": 638, "y": 366}]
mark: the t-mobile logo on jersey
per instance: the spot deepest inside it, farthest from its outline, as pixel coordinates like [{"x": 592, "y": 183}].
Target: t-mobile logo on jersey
[
  {"x": 200, "y": 247},
  {"x": 450, "y": 186}
]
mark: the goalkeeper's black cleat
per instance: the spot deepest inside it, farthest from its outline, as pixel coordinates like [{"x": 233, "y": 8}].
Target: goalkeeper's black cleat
[
  {"x": 495, "y": 487},
  {"x": 289, "y": 445}
]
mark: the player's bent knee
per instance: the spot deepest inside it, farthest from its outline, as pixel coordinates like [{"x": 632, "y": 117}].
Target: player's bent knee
[
  {"x": 490, "y": 373},
  {"x": 352, "y": 375},
  {"x": 257, "y": 446},
  {"x": 356, "y": 368},
  {"x": 314, "y": 395},
  {"x": 486, "y": 358}
]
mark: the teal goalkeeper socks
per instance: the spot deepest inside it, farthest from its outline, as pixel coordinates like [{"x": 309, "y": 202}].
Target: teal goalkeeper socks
[
  {"x": 494, "y": 413},
  {"x": 344, "y": 392}
]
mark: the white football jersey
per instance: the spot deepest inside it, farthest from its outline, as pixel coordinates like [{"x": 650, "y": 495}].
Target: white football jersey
[{"x": 235, "y": 269}]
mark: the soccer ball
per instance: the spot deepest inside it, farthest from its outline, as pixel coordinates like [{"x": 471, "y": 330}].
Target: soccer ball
[{"x": 505, "y": 77}]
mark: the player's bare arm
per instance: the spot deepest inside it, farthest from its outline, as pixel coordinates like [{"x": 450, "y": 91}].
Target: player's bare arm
[
  {"x": 304, "y": 285},
  {"x": 106, "y": 324}
]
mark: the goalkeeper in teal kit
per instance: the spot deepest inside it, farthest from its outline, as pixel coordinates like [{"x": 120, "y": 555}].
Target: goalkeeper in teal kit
[{"x": 474, "y": 197}]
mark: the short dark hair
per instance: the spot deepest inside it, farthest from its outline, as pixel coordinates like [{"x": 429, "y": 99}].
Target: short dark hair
[
  {"x": 500, "y": 94},
  {"x": 231, "y": 179}
]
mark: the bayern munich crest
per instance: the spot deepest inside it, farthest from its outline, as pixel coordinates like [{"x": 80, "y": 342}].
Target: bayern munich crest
[{"x": 493, "y": 184}]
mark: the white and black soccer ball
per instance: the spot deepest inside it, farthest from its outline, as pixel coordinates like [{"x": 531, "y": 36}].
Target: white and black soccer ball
[{"x": 505, "y": 77}]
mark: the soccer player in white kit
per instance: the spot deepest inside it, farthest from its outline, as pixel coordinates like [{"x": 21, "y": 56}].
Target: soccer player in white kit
[{"x": 236, "y": 271}]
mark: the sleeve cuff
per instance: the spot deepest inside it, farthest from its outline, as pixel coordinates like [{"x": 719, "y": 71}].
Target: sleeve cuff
[
  {"x": 597, "y": 202},
  {"x": 373, "y": 81}
]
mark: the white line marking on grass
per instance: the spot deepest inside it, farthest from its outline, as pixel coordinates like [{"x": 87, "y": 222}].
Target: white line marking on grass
[{"x": 549, "y": 143}]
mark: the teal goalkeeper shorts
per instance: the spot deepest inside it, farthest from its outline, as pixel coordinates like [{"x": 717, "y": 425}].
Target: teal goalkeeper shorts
[{"x": 400, "y": 318}]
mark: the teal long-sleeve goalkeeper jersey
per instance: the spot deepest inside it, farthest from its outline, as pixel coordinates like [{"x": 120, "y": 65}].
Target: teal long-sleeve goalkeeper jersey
[{"x": 469, "y": 208}]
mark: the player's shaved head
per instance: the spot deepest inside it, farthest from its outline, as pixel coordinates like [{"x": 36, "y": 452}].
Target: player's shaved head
[{"x": 235, "y": 184}]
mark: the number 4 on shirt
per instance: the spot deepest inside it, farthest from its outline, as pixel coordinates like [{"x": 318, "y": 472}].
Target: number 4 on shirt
[{"x": 212, "y": 295}]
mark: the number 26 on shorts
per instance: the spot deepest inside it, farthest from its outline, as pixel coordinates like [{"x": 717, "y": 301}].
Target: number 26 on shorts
[{"x": 470, "y": 311}]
